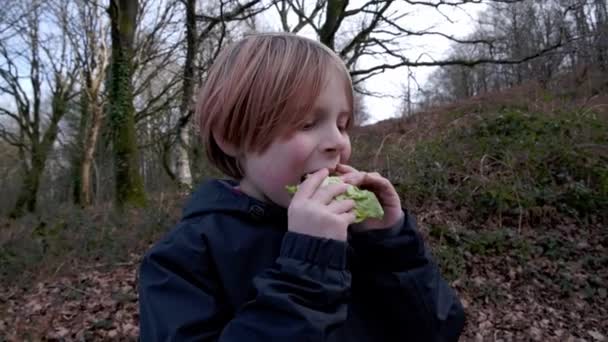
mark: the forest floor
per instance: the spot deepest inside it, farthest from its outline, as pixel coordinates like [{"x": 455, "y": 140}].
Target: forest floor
[{"x": 546, "y": 289}]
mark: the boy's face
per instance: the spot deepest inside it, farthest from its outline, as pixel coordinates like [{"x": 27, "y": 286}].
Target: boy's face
[{"x": 323, "y": 143}]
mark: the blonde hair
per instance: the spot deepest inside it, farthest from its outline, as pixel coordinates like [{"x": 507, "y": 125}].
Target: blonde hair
[{"x": 261, "y": 88}]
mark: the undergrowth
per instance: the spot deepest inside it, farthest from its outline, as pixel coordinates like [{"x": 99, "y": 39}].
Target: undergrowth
[
  {"x": 46, "y": 244},
  {"x": 512, "y": 167}
]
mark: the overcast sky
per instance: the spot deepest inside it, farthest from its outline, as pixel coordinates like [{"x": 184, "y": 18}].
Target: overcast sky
[{"x": 392, "y": 82}]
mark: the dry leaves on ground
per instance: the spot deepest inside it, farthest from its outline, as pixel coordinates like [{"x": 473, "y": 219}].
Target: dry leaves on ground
[{"x": 93, "y": 305}]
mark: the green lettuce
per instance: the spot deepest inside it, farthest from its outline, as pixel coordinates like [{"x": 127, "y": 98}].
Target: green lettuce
[{"x": 366, "y": 202}]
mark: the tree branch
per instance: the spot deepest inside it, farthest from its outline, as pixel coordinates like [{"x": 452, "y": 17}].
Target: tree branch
[
  {"x": 461, "y": 62},
  {"x": 366, "y": 32},
  {"x": 234, "y": 14},
  {"x": 10, "y": 137},
  {"x": 449, "y": 37},
  {"x": 458, "y": 3},
  {"x": 303, "y": 18}
]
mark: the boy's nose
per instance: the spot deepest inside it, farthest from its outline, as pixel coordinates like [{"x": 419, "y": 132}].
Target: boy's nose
[{"x": 335, "y": 141}]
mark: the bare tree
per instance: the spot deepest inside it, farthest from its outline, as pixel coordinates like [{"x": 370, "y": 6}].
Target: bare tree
[
  {"x": 559, "y": 29},
  {"x": 206, "y": 29},
  {"x": 578, "y": 24},
  {"x": 377, "y": 32},
  {"x": 46, "y": 56},
  {"x": 378, "y": 28},
  {"x": 88, "y": 32},
  {"x": 161, "y": 88}
]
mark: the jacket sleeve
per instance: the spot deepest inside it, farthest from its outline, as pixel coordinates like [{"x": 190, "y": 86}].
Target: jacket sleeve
[
  {"x": 398, "y": 291},
  {"x": 301, "y": 298}
]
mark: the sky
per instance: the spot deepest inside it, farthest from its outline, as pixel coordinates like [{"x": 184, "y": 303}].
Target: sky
[{"x": 391, "y": 83}]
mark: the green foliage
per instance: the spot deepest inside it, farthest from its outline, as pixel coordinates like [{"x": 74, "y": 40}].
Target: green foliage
[
  {"x": 549, "y": 258},
  {"x": 555, "y": 247},
  {"x": 511, "y": 163},
  {"x": 451, "y": 261}
]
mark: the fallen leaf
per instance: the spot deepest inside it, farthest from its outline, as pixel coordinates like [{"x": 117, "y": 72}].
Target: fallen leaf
[{"x": 596, "y": 335}]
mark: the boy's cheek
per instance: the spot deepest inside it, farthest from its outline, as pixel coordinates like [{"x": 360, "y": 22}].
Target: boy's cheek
[{"x": 345, "y": 155}]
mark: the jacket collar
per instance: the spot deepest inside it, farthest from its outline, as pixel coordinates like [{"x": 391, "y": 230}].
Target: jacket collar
[{"x": 220, "y": 195}]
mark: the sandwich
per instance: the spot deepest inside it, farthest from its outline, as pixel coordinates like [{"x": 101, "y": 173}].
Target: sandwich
[{"x": 366, "y": 202}]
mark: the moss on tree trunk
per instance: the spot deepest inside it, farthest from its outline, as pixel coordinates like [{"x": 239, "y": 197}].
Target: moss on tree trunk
[
  {"x": 129, "y": 184},
  {"x": 40, "y": 149},
  {"x": 26, "y": 201}
]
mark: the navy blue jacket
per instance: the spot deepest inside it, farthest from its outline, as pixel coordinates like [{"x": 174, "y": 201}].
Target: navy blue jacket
[{"x": 230, "y": 271}]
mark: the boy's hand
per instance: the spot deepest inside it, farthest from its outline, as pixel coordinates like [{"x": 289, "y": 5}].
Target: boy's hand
[
  {"x": 314, "y": 211},
  {"x": 384, "y": 190}
]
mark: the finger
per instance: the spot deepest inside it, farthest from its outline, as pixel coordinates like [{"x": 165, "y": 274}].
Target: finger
[
  {"x": 349, "y": 217},
  {"x": 355, "y": 178},
  {"x": 310, "y": 185},
  {"x": 327, "y": 193},
  {"x": 374, "y": 180},
  {"x": 382, "y": 188},
  {"x": 371, "y": 181},
  {"x": 343, "y": 168},
  {"x": 342, "y": 206}
]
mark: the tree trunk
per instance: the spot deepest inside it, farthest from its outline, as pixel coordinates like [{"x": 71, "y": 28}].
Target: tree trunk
[
  {"x": 184, "y": 176},
  {"x": 93, "y": 59},
  {"x": 182, "y": 161},
  {"x": 78, "y": 153},
  {"x": 334, "y": 14},
  {"x": 129, "y": 185},
  {"x": 40, "y": 151},
  {"x": 582, "y": 27},
  {"x": 26, "y": 201},
  {"x": 89, "y": 153},
  {"x": 601, "y": 39},
  {"x": 36, "y": 141},
  {"x": 90, "y": 125}
]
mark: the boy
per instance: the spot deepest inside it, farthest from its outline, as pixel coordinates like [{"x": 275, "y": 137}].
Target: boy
[{"x": 251, "y": 262}]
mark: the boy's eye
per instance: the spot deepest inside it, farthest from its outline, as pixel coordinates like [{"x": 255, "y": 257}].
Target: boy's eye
[{"x": 309, "y": 125}]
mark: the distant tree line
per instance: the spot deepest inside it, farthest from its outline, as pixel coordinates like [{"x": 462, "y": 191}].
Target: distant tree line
[{"x": 534, "y": 41}]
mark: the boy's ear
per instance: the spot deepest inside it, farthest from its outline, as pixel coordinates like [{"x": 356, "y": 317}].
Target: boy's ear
[{"x": 225, "y": 146}]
